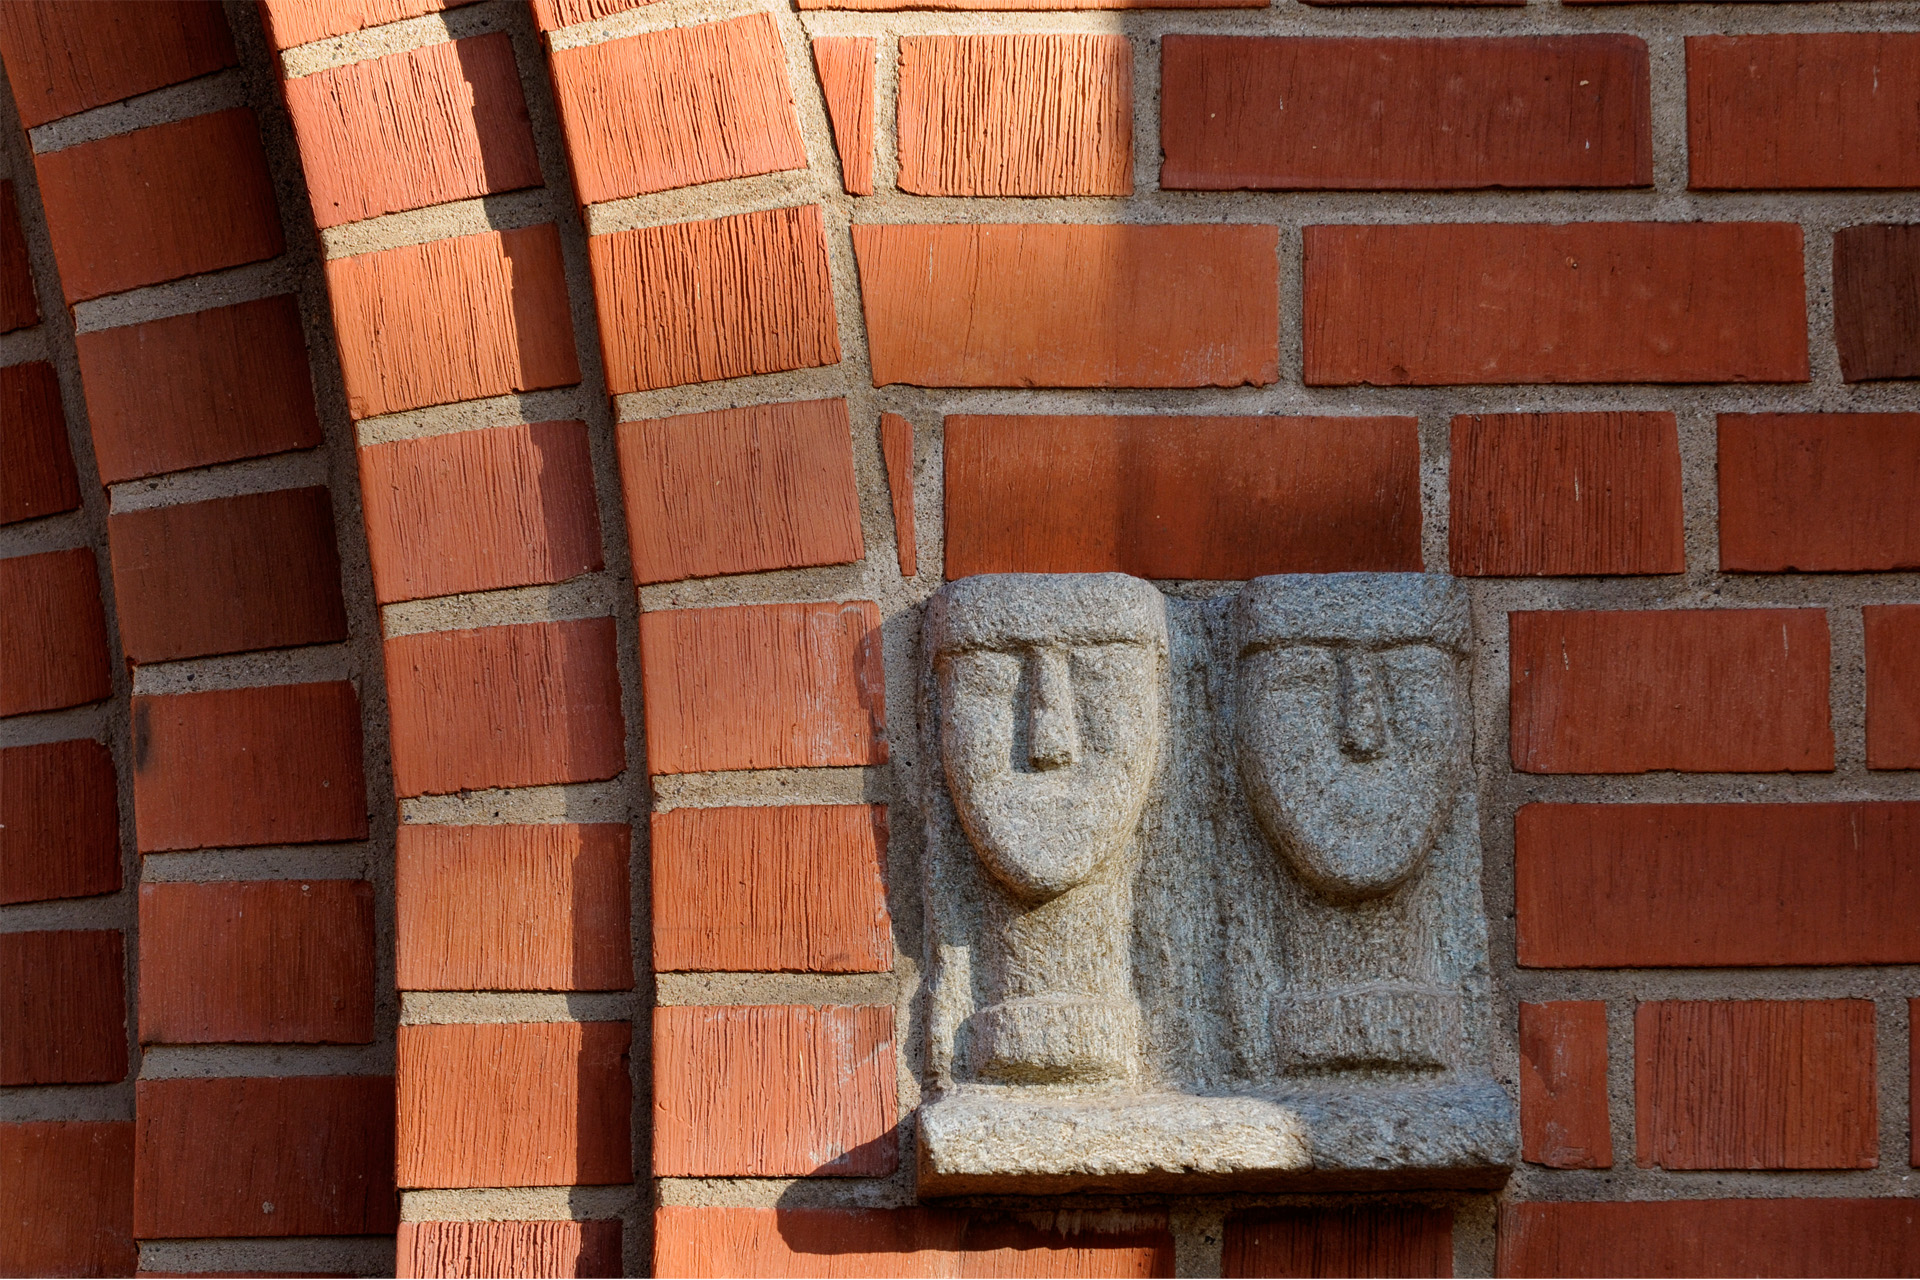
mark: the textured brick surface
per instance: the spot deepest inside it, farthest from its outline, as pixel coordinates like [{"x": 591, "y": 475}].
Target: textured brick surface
[
  {"x": 478, "y": 510},
  {"x": 1376, "y": 1240},
  {"x": 276, "y": 961},
  {"x": 773, "y": 686},
  {"x": 512, "y": 908},
  {"x": 1913, "y": 1080},
  {"x": 1773, "y": 1236},
  {"x": 846, "y": 69},
  {"x": 69, "y": 1199},
  {"x": 873, "y": 6},
  {"x": 296, "y": 1156},
  {"x": 1755, "y": 1084},
  {"x": 551, "y": 15},
  {"x": 63, "y": 1003},
  {"x": 737, "y": 490},
  {"x": 1162, "y": 497},
  {"x": 53, "y": 633},
  {"x": 36, "y": 466},
  {"x": 18, "y": 305},
  {"x": 1714, "y": 885},
  {"x": 779, "y": 887},
  {"x": 700, "y": 301},
  {"x": 1893, "y": 686},
  {"x": 193, "y": 390},
  {"x": 484, "y": 1249},
  {"x": 896, "y": 450},
  {"x": 1280, "y": 114},
  {"x": 296, "y": 22},
  {"x": 1582, "y": 302},
  {"x": 419, "y": 127},
  {"x": 1696, "y": 690},
  {"x": 1819, "y": 491},
  {"x": 61, "y": 835},
  {"x": 452, "y": 320},
  {"x": 774, "y": 1091},
  {"x": 1563, "y": 1085},
  {"x": 535, "y": 1104},
  {"x": 62, "y": 58},
  {"x": 1565, "y": 493},
  {"x": 512, "y": 706},
  {"x": 1071, "y": 306},
  {"x": 677, "y": 107},
  {"x": 276, "y": 764},
  {"x": 1876, "y": 301}
]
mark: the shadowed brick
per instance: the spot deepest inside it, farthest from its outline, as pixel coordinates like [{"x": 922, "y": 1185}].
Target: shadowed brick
[
  {"x": 61, "y": 835},
  {"x": 1893, "y": 686},
  {"x": 845, "y": 65},
  {"x": 36, "y": 467},
  {"x": 62, "y": 58},
  {"x": 1876, "y": 301},
  {"x": 63, "y": 1003},
  {"x": 53, "y": 633},
  {"x": 483, "y": 1249},
  {"x": 896, "y": 449},
  {"x": 1819, "y": 491},
  {"x": 19, "y": 307},
  {"x": 69, "y": 1199},
  {"x": 1772, "y": 1236},
  {"x": 1374, "y": 1240},
  {"x": 1563, "y": 1085},
  {"x": 297, "y": 22}
]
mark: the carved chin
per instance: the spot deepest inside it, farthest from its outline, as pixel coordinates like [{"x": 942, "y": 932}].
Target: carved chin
[
  {"x": 1040, "y": 846},
  {"x": 1353, "y": 855}
]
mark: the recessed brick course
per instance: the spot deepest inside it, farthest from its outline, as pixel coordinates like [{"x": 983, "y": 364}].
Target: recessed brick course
[
  {"x": 1893, "y": 685},
  {"x": 738, "y": 490},
  {"x": 18, "y": 305},
  {"x": 1876, "y": 301},
  {"x": 512, "y": 908},
  {"x": 507, "y": 506},
  {"x": 53, "y": 633},
  {"x": 551, "y": 15},
  {"x": 69, "y": 1198},
  {"x": 1693, "y": 690},
  {"x": 514, "y": 706},
  {"x": 1819, "y": 491},
  {"x": 537, "y": 1104},
  {"x": 1582, "y": 302},
  {"x": 1044, "y": 305},
  {"x": 415, "y": 128},
  {"x": 845, "y": 65},
  {"x": 774, "y": 1091},
  {"x": 772, "y": 686},
  {"x": 63, "y": 1002},
  {"x": 483, "y": 1249},
  {"x": 1371, "y": 1240},
  {"x": 61, "y": 836},
  {"x": 297, "y": 22},
  {"x": 1563, "y": 1085},
  {"x": 896, "y": 449},
  {"x": 62, "y": 58},
  {"x": 1304, "y": 114},
  {"x": 1767, "y": 1236},
  {"x": 36, "y": 466}
]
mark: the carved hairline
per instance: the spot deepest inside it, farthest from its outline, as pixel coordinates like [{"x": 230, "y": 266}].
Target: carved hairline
[
  {"x": 1370, "y": 609},
  {"x": 997, "y": 610}
]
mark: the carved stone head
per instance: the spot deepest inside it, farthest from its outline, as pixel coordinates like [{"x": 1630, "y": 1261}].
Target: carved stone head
[
  {"x": 1050, "y": 693},
  {"x": 1350, "y": 720}
]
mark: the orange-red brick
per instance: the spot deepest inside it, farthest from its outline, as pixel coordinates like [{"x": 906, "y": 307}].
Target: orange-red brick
[
  {"x": 63, "y": 1002},
  {"x": 845, "y": 67},
  {"x": 36, "y": 466},
  {"x": 61, "y": 835},
  {"x": 1371, "y": 1240},
  {"x": 62, "y": 58},
  {"x": 18, "y": 305},
  {"x": 1876, "y": 301},
  {"x": 896, "y": 450},
  {"x": 551, "y": 15},
  {"x": 1764, "y": 1236},
  {"x": 1563, "y": 1085},
  {"x": 297, "y": 22},
  {"x": 1819, "y": 491},
  {"x": 484, "y": 1249},
  {"x": 53, "y": 633},
  {"x": 1893, "y": 686},
  {"x": 69, "y": 1199}
]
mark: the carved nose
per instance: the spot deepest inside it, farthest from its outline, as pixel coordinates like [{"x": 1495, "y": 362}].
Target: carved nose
[
  {"x": 1363, "y": 721},
  {"x": 1053, "y": 740}
]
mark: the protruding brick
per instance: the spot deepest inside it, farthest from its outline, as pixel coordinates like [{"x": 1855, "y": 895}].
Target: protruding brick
[
  {"x": 62, "y": 58},
  {"x": 1764, "y": 1236},
  {"x": 1876, "y": 301},
  {"x": 723, "y": 298},
  {"x": 264, "y": 1156},
  {"x": 63, "y": 1002},
  {"x": 677, "y": 107},
  {"x": 1563, "y": 1085},
  {"x": 779, "y": 887},
  {"x": 1397, "y": 114},
  {"x": 1434, "y": 304},
  {"x": 61, "y": 835},
  {"x": 514, "y": 706},
  {"x": 846, "y": 70},
  {"x": 772, "y": 686},
  {"x": 264, "y": 961},
  {"x": 53, "y": 633},
  {"x": 36, "y": 466},
  {"x": 1565, "y": 493},
  {"x": 297, "y": 22},
  {"x": 274, "y": 764},
  {"x": 415, "y": 128},
  {"x": 453, "y": 320},
  {"x": 532, "y": 1104},
  {"x": 479, "y": 510},
  {"x": 512, "y": 908},
  {"x": 1819, "y": 491},
  {"x": 1893, "y": 685},
  {"x": 159, "y": 203},
  {"x": 1044, "y": 305},
  {"x": 1717, "y": 885},
  {"x": 69, "y": 1199},
  {"x": 193, "y": 390},
  {"x": 551, "y": 15},
  {"x": 773, "y": 1091},
  {"x": 1157, "y": 497},
  {"x": 1016, "y": 115},
  {"x": 769, "y": 486},
  {"x": 18, "y": 305},
  {"x": 1373, "y": 1240},
  {"x": 1694, "y": 690},
  {"x": 896, "y": 448},
  {"x": 484, "y": 1249},
  {"x": 1755, "y": 1084}
]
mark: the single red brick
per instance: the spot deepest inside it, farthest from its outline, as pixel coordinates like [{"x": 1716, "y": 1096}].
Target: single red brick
[
  {"x": 1359, "y": 114},
  {"x": 69, "y": 1199},
  {"x": 1044, "y": 305},
  {"x": 845, "y": 67},
  {"x": 1819, "y": 491},
  {"x": 53, "y": 633},
  {"x": 272, "y": 764},
  {"x": 771, "y": 1091},
  {"x": 526, "y": 1104},
  {"x": 418, "y": 127},
  {"x": 297, "y": 22},
  {"x": 1584, "y": 302},
  {"x": 1876, "y": 301},
  {"x": 1773, "y": 1236},
  {"x": 771, "y": 686},
  {"x": 264, "y": 1156},
  {"x": 36, "y": 467},
  {"x": 1893, "y": 685},
  {"x": 159, "y": 203},
  {"x": 1913, "y": 1081},
  {"x": 453, "y": 320},
  {"x": 482, "y": 1249},
  {"x": 63, "y": 58},
  {"x": 551, "y": 15},
  {"x": 514, "y": 706},
  {"x": 896, "y": 448},
  {"x": 478, "y": 510},
  {"x": 1563, "y": 1085},
  {"x": 1372, "y": 1240},
  {"x": 769, "y": 486},
  {"x": 1694, "y": 690},
  {"x": 1156, "y": 497},
  {"x": 18, "y": 305},
  {"x": 1016, "y": 115},
  {"x": 61, "y": 835},
  {"x": 193, "y": 390},
  {"x": 701, "y": 301},
  {"x": 265, "y": 961},
  {"x": 63, "y": 1002},
  {"x": 1565, "y": 493},
  {"x": 511, "y": 908}
]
